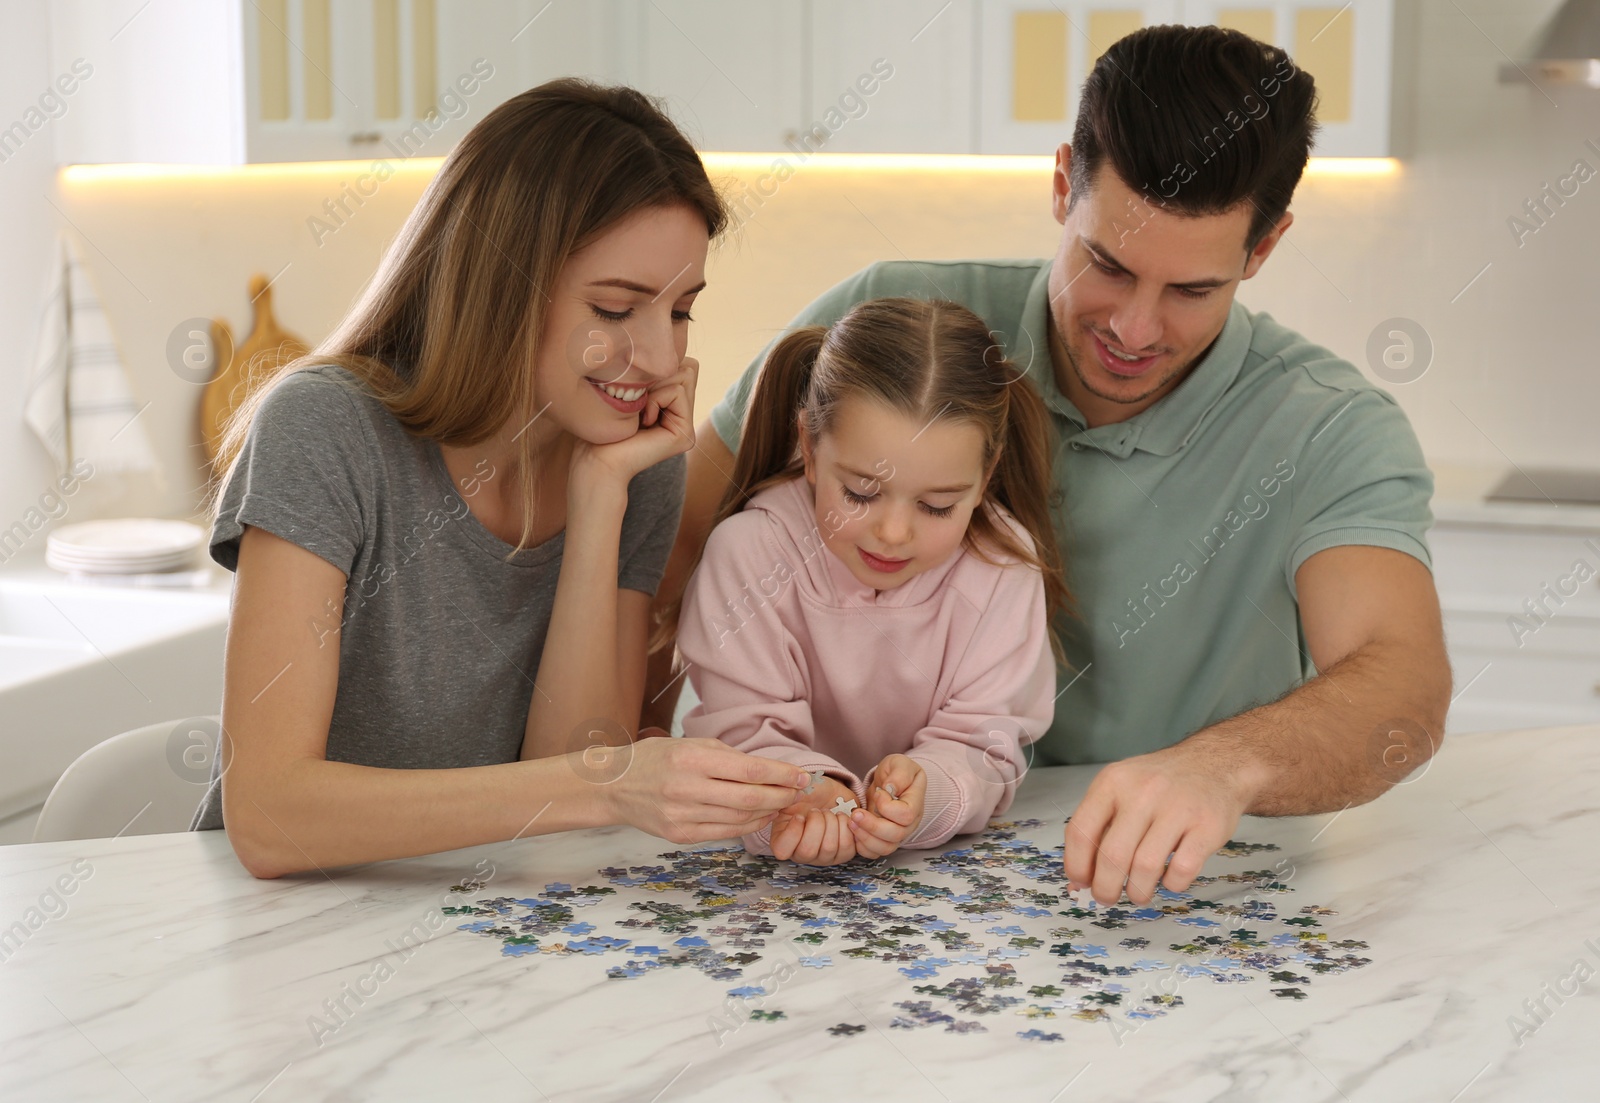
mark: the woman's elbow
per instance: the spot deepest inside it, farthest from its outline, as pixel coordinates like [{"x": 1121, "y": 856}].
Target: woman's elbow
[
  {"x": 261, "y": 860},
  {"x": 260, "y": 844}
]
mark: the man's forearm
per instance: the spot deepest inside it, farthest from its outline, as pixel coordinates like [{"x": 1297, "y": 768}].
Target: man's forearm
[{"x": 1342, "y": 738}]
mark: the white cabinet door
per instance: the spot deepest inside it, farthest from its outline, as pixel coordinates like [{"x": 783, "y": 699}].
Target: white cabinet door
[
  {"x": 531, "y": 41},
  {"x": 520, "y": 44},
  {"x": 1035, "y": 58},
  {"x": 1522, "y": 624},
  {"x": 1348, "y": 48},
  {"x": 731, "y": 73},
  {"x": 328, "y": 80},
  {"x": 1552, "y": 679},
  {"x": 892, "y": 76}
]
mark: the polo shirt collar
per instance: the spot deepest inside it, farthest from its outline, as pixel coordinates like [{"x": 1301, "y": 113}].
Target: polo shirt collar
[{"x": 1163, "y": 429}]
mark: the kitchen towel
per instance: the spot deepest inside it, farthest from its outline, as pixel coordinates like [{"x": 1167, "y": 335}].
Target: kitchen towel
[{"x": 79, "y": 401}]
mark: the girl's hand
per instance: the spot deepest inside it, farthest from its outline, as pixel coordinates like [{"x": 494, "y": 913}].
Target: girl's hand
[
  {"x": 808, "y": 833},
  {"x": 666, "y": 428},
  {"x": 894, "y": 807},
  {"x": 689, "y": 790}
]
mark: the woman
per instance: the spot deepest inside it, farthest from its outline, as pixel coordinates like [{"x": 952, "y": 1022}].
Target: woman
[{"x": 448, "y": 521}]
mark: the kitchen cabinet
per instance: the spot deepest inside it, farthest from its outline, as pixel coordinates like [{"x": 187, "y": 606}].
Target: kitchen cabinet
[
  {"x": 326, "y": 80},
  {"x": 251, "y": 81},
  {"x": 1036, "y": 55},
  {"x": 732, "y": 74},
  {"x": 1522, "y": 622},
  {"x": 1350, "y": 49},
  {"x": 918, "y": 59},
  {"x": 1035, "y": 58},
  {"x": 248, "y": 81}
]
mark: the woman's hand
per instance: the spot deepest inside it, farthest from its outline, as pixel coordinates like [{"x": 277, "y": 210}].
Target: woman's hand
[
  {"x": 894, "y": 807},
  {"x": 689, "y": 790},
  {"x": 666, "y": 428},
  {"x": 808, "y": 831}
]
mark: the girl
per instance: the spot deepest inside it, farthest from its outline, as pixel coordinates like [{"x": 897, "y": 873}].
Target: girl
[
  {"x": 447, "y": 522},
  {"x": 873, "y": 605}
]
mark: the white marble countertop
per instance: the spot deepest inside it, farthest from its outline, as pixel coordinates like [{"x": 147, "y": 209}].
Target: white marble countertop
[{"x": 167, "y": 973}]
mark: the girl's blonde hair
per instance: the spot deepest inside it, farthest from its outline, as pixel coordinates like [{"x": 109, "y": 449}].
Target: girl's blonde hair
[
  {"x": 447, "y": 332},
  {"x": 926, "y": 360}
]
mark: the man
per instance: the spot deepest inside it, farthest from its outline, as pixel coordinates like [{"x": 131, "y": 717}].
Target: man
[{"x": 1243, "y": 515}]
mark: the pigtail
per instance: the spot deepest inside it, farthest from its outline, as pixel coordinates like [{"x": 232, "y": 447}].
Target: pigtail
[
  {"x": 1022, "y": 479},
  {"x": 769, "y": 444},
  {"x": 1023, "y": 482}
]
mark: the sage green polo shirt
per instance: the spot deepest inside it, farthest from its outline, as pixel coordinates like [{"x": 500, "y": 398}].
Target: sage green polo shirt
[{"x": 1182, "y": 527}]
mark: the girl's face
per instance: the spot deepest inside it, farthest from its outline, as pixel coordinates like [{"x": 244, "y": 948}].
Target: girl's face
[
  {"x": 893, "y": 496},
  {"x": 617, "y": 324}
]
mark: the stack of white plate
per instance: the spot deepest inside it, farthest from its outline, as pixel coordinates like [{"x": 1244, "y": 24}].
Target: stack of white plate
[{"x": 133, "y": 545}]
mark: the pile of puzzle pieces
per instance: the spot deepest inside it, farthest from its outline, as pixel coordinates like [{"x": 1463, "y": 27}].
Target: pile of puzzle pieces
[{"x": 957, "y": 926}]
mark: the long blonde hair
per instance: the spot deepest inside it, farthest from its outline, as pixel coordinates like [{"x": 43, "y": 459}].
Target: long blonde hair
[
  {"x": 925, "y": 359},
  {"x": 446, "y": 333}
]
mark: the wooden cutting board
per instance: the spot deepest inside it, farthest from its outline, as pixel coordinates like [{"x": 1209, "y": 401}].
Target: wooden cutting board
[{"x": 240, "y": 369}]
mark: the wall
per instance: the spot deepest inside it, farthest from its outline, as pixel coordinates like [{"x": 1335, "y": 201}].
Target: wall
[
  {"x": 1512, "y": 379},
  {"x": 26, "y": 190},
  {"x": 1514, "y": 376}
]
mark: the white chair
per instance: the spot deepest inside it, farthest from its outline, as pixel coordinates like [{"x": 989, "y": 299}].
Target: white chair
[{"x": 141, "y": 782}]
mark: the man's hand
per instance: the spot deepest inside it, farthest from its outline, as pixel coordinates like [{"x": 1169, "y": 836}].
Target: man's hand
[
  {"x": 894, "y": 807},
  {"x": 1371, "y": 623},
  {"x": 1183, "y": 802},
  {"x": 808, "y": 833}
]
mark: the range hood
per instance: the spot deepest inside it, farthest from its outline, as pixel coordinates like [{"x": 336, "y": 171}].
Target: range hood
[{"x": 1568, "y": 52}]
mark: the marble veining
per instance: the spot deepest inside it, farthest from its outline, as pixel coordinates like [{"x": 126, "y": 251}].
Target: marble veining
[{"x": 168, "y": 973}]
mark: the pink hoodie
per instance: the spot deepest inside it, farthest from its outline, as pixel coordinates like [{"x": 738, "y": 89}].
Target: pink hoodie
[{"x": 793, "y": 658}]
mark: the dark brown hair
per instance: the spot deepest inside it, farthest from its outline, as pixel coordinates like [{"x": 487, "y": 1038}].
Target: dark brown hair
[
  {"x": 1198, "y": 120},
  {"x": 446, "y": 334},
  {"x": 924, "y": 359}
]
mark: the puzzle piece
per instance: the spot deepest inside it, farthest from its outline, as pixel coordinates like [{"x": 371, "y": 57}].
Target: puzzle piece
[
  {"x": 711, "y": 907},
  {"x": 842, "y": 807}
]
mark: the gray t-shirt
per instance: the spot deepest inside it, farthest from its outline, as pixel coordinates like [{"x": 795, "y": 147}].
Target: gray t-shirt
[{"x": 441, "y": 634}]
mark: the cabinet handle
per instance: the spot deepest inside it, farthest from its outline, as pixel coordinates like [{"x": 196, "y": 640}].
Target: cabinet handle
[{"x": 365, "y": 138}]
